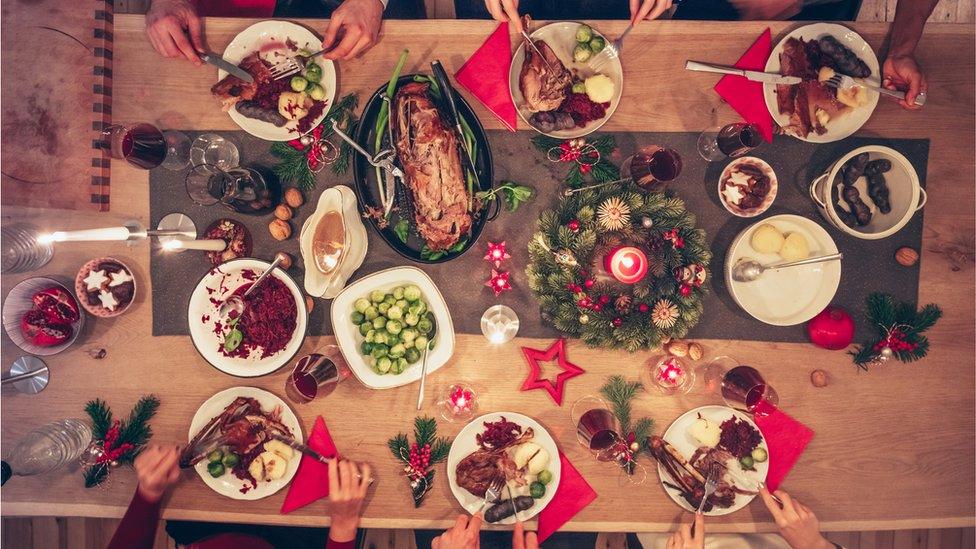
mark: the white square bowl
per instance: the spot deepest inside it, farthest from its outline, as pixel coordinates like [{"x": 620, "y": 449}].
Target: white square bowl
[{"x": 350, "y": 340}]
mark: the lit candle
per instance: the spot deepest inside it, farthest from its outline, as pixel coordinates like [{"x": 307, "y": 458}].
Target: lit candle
[
  {"x": 211, "y": 245},
  {"x": 460, "y": 400},
  {"x": 627, "y": 264},
  {"x": 106, "y": 234}
]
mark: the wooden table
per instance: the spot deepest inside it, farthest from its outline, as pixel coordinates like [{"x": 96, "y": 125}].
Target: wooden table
[{"x": 893, "y": 447}]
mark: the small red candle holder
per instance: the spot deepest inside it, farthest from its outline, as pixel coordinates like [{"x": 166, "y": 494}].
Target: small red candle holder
[
  {"x": 670, "y": 375},
  {"x": 627, "y": 264},
  {"x": 460, "y": 403}
]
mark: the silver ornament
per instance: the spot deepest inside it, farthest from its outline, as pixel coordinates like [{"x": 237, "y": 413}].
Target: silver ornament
[
  {"x": 305, "y": 140},
  {"x": 583, "y": 319},
  {"x": 886, "y": 353},
  {"x": 647, "y": 222}
]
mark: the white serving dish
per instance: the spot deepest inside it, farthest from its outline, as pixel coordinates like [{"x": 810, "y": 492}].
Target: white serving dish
[
  {"x": 258, "y": 36},
  {"x": 561, "y": 37},
  {"x": 465, "y": 443},
  {"x": 350, "y": 341},
  {"x": 229, "y": 485},
  {"x": 222, "y": 280},
  {"x": 851, "y": 121},
  {"x": 789, "y": 296},
  {"x": 317, "y": 284}
]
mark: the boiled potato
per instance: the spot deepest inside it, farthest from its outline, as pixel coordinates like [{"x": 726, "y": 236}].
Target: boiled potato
[
  {"x": 275, "y": 466},
  {"x": 279, "y": 448},
  {"x": 539, "y": 462},
  {"x": 524, "y": 453},
  {"x": 795, "y": 247},
  {"x": 256, "y": 468},
  {"x": 767, "y": 239}
]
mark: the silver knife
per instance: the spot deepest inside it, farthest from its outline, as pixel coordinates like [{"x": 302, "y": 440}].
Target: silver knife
[
  {"x": 303, "y": 448},
  {"x": 755, "y": 76},
  {"x": 227, "y": 66}
]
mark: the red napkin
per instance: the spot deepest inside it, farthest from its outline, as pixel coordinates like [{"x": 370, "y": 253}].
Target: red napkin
[
  {"x": 485, "y": 75},
  {"x": 746, "y": 96},
  {"x": 236, "y": 8},
  {"x": 572, "y": 495},
  {"x": 311, "y": 483},
  {"x": 786, "y": 438}
]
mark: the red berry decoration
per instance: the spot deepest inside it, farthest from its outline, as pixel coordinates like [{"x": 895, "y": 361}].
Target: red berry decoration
[
  {"x": 574, "y": 225},
  {"x": 604, "y": 299},
  {"x": 618, "y": 322},
  {"x": 685, "y": 290},
  {"x": 588, "y": 283},
  {"x": 643, "y": 307},
  {"x": 832, "y": 329},
  {"x": 597, "y": 307}
]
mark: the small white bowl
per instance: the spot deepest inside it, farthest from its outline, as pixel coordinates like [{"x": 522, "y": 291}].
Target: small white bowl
[
  {"x": 766, "y": 203},
  {"x": 19, "y": 301},
  {"x": 350, "y": 340}
]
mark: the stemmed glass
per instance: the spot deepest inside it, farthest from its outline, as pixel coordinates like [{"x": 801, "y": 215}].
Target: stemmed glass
[
  {"x": 215, "y": 150},
  {"x": 653, "y": 167},
  {"x": 241, "y": 189},
  {"x": 146, "y": 146},
  {"x": 598, "y": 430},
  {"x": 316, "y": 374},
  {"x": 742, "y": 387},
  {"x": 729, "y": 141}
]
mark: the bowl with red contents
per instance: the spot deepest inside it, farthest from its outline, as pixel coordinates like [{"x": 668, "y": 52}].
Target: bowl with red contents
[
  {"x": 747, "y": 186},
  {"x": 42, "y": 316},
  {"x": 265, "y": 337}
]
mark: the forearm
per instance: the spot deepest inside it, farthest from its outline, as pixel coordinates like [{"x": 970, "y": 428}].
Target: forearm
[
  {"x": 138, "y": 527},
  {"x": 910, "y": 17}
]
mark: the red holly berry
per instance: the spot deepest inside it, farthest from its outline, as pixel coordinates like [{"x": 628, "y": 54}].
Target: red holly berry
[
  {"x": 597, "y": 307},
  {"x": 589, "y": 283},
  {"x": 574, "y": 225},
  {"x": 604, "y": 299},
  {"x": 685, "y": 290},
  {"x": 585, "y": 168},
  {"x": 643, "y": 307},
  {"x": 618, "y": 322}
]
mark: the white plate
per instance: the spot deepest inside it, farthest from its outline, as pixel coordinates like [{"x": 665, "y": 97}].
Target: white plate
[
  {"x": 335, "y": 198},
  {"x": 788, "y": 296},
  {"x": 561, "y": 37},
  {"x": 19, "y": 301},
  {"x": 852, "y": 121},
  {"x": 350, "y": 341},
  {"x": 260, "y": 35},
  {"x": 465, "y": 443},
  {"x": 219, "y": 283},
  {"x": 229, "y": 485},
  {"x": 677, "y": 436}
]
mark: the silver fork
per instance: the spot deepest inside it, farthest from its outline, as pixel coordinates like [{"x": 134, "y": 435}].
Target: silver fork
[
  {"x": 610, "y": 51},
  {"x": 292, "y": 65},
  {"x": 842, "y": 81},
  {"x": 710, "y": 484},
  {"x": 493, "y": 492}
]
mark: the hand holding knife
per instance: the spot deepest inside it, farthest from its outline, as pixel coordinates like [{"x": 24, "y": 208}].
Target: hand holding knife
[{"x": 305, "y": 449}]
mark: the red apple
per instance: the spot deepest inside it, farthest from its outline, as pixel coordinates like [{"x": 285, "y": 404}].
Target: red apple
[{"x": 832, "y": 329}]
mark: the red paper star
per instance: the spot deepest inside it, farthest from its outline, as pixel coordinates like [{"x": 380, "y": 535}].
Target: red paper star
[
  {"x": 498, "y": 282},
  {"x": 496, "y": 253},
  {"x": 555, "y": 351}
]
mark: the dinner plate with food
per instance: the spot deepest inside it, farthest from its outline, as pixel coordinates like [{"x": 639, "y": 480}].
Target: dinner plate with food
[
  {"x": 265, "y": 336},
  {"x": 282, "y": 109},
  {"x": 553, "y": 85},
  {"x": 712, "y": 440},
  {"x": 385, "y": 321},
  {"x": 813, "y": 111},
  {"x": 435, "y": 213},
  {"x": 232, "y": 445},
  {"x": 509, "y": 449},
  {"x": 789, "y": 296}
]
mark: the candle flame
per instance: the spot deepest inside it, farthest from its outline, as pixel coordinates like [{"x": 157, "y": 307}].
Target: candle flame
[
  {"x": 627, "y": 261},
  {"x": 174, "y": 244},
  {"x": 497, "y": 337},
  {"x": 46, "y": 238}
]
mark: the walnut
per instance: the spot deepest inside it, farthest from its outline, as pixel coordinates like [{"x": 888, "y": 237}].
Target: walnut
[
  {"x": 678, "y": 348},
  {"x": 695, "y": 351},
  {"x": 280, "y": 230},
  {"x": 906, "y": 256},
  {"x": 293, "y": 197},
  {"x": 283, "y": 212},
  {"x": 818, "y": 378},
  {"x": 309, "y": 303},
  {"x": 285, "y": 262}
]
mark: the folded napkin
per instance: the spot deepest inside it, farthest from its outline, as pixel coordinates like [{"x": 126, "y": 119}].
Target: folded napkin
[
  {"x": 572, "y": 495},
  {"x": 746, "y": 96},
  {"x": 485, "y": 75},
  {"x": 236, "y": 8},
  {"x": 311, "y": 483},
  {"x": 786, "y": 439}
]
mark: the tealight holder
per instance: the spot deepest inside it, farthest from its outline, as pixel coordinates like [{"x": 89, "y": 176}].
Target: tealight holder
[
  {"x": 459, "y": 403},
  {"x": 670, "y": 375},
  {"x": 499, "y": 324}
]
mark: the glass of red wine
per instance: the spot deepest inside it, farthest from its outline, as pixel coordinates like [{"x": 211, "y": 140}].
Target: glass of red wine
[
  {"x": 744, "y": 388},
  {"x": 598, "y": 430},
  {"x": 653, "y": 167},
  {"x": 316, "y": 375},
  {"x": 146, "y": 146},
  {"x": 729, "y": 141}
]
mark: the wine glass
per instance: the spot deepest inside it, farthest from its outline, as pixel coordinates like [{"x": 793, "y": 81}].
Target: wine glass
[
  {"x": 215, "y": 150},
  {"x": 653, "y": 167},
  {"x": 240, "y": 189},
  {"x": 729, "y": 141},
  {"x": 744, "y": 388},
  {"x": 598, "y": 430},
  {"x": 142, "y": 145},
  {"x": 316, "y": 374}
]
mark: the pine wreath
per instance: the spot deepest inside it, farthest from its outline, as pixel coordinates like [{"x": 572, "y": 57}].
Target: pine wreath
[{"x": 579, "y": 298}]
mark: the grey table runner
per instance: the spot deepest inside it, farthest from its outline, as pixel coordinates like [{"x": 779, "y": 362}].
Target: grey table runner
[{"x": 868, "y": 265}]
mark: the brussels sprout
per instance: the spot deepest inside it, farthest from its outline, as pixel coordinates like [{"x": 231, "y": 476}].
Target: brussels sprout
[
  {"x": 759, "y": 455},
  {"x": 379, "y": 350},
  {"x": 597, "y": 44},
  {"x": 398, "y": 350},
  {"x": 582, "y": 53},
  {"x": 316, "y": 92},
  {"x": 377, "y": 296},
  {"x": 371, "y": 313},
  {"x": 411, "y": 319},
  {"x": 364, "y": 328},
  {"x": 230, "y": 460},
  {"x": 393, "y": 340},
  {"x": 747, "y": 463},
  {"x": 402, "y": 304},
  {"x": 390, "y": 299},
  {"x": 579, "y": 87},
  {"x": 545, "y": 477},
  {"x": 398, "y": 292},
  {"x": 584, "y": 33},
  {"x": 537, "y": 490},
  {"x": 400, "y": 365},
  {"x": 371, "y": 336},
  {"x": 381, "y": 337},
  {"x": 412, "y": 355},
  {"x": 361, "y": 305},
  {"x": 216, "y": 469},
  {"x": 216, "y": 455},
  {"x": 298, "y": 83},
  {"x": 394, "y": 326},
  {"x": 408, "y": 335},
  {"x": 394, "y": 313},
  {"x": 384, "y": 364},
  {"x": 425, "y": 326},
  {"x": 379, "y": 322},
  {"x": 418, "y": 308},
  {"x": 421, "y": 342},
  {"x": 383, "y": 307},
  {"x": 367, "y": 347},
  {"x": 313, "y": 72},
  {"x": 357, "y": 317},
  {"x": 411, "y": 293}
]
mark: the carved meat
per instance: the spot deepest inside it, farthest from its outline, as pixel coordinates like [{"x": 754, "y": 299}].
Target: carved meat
[
  {"x": 476, "y": 471},
  {"x": 431, "y": 162},
  {"x": 231, "y": 89},
  {"x": 803, "y": 101},
  {"x": 243, "y": 425},
  {"x": 544, "y": 82}
]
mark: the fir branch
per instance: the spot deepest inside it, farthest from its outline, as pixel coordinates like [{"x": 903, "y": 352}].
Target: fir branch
[
  {"x": 642, "y": 429},
  {"x": 620, "y": 392},
  {"x": 400, "y": 447},
  {"x": 95, "y": 475},
  {"x": 136, "y": 429},
  {"x": 101, "y": 417},
  {"x": 424, "y": 430},
  {"x": 439, "y": 450}
]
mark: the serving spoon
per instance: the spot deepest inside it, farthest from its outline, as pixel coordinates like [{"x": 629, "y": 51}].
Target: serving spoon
[
  {"x": 747, "y": 270},
  {"x": 233, "y": 307},
  {"x": 423, "y": 367}
]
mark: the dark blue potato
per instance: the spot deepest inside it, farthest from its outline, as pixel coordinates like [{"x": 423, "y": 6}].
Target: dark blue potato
[
  {"x": 844, "y": 60},
  {"x": 504, "y": 509},
  {"x": 251, "y": 109},
  {"x": 878, "y": 191},
  {"x": 881, "y": 165}
]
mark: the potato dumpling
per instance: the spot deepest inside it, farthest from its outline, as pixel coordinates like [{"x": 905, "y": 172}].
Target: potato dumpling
[
  {"x": 599, "y": 88},
  {"x": 767, "y": 239},
  {"x": 795, "y": 247}
]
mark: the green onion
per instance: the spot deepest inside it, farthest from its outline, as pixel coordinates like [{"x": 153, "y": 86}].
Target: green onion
[{"x": 382, "y": 119}]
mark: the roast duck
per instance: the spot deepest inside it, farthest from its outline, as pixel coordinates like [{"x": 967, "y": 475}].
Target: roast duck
[
  {"x": 231, "y": 89},
  {"x": 478, "y": 469},
  {"x": 243, "y": 427},
  {"x": 428, "y": 151},
  {"x": 544, "y": 81}
]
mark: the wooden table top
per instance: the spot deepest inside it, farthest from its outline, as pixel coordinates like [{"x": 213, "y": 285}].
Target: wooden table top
[{"x": 893, "y": 447}]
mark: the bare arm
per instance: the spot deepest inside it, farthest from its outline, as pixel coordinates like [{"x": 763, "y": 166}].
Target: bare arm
[{"x": 910, "y": 17}]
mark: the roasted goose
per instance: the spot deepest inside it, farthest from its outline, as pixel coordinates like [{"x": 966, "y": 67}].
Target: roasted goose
[
  {"x": 477, "y": 470},
  {"x": 232, "y": 89},
  {"x": 689, "y": 475},
  {"x": 243, "y": 426},
  {"x": 544, "y": 86},
  {"x": 428, "y": 151},
  {"x": 810, "y": 104}
]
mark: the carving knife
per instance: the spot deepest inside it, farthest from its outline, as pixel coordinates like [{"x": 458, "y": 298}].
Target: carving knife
[
  {"x": 227, "y": 66},
  {"x": 299, "y": 447},
  {"x": 755, "y": 76},
  {"x": 449, "y": 94}
]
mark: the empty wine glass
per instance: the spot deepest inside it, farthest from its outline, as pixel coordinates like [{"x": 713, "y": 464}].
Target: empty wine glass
[
  {"x": 729, "y": 141},
  {"x": 215, "y": 150},
  {"x": 240, "y": 189}
]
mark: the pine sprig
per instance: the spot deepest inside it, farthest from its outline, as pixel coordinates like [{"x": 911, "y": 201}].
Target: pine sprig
[
  {"x": 95, "y": 475},
  {"x": 885, "y": 316},
  {"x": 400, "y": 447},
  {"x": 293, "y": 164},
  {"x": 425, "y": 432},
  {"x": 136, "y": 429},
  {"x": 101, "y": 417},
  {"x": 620, "y": 392},
  {"x": 600, "y": 171}
]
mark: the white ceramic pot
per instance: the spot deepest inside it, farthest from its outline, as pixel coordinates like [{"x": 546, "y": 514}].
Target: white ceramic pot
[{"x": 906, "y": 195}]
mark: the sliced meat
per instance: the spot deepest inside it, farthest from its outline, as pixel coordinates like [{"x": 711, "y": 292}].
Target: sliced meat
[
  {"x": 543, "y": 81},
  {"x": 477, "y": 470},
  {"x": 231, "y": 89}
]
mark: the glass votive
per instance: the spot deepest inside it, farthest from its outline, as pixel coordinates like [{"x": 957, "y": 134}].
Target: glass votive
[
  {"x": 499, "y": 324},
  {"x": 459, "y": 403},
  {"x": 671, "y": 375}
]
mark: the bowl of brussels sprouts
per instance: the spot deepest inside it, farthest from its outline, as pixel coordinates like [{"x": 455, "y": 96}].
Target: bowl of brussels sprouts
[{"x": 385, "y": 321}]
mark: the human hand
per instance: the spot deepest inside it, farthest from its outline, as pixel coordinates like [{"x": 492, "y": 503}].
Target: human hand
[
  {"x": 901, "y": 72},
  {"x": 353, "y": 29},
  {"x": 157, "y": 468},
  {"x": 766, "y": 10},
  {"x": 465, "y": 534},
  {"x": 522, "y": 539},
  {"x": 797, "y": 523},
  {"x": 505, "y": 10},
  {"x": 167, "y": 25},
  {"x": 684, "y": 538},
  {"x": 648, "y": 9},
  {"x": 348, "y": 484}
]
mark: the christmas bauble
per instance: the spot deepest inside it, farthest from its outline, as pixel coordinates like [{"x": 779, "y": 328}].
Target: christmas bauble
[
  {"x": 832, "y": 329},
  {"x": 583, "y": 319},
  {"x": 574, "y": 225},
  {"x": 618, "y": 322},
  {"x": 886, "y": 353},
  {"x": 647, "y": 222}
]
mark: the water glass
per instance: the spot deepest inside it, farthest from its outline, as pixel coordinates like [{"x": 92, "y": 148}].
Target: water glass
[
  {"x": 21, "y": 252},
  {"x": 499, "y": 324},
  {"x": 215, "y": 150}
]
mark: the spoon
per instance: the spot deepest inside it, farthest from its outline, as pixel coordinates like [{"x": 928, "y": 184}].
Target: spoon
[
  {"x": 747, "y": 270},
  {"x": 423, "y": 364},
  {"x": 233, "y": 307}
]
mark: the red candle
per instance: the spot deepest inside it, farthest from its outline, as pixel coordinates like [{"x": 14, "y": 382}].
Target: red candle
[{"x": 627, "y": 264}]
